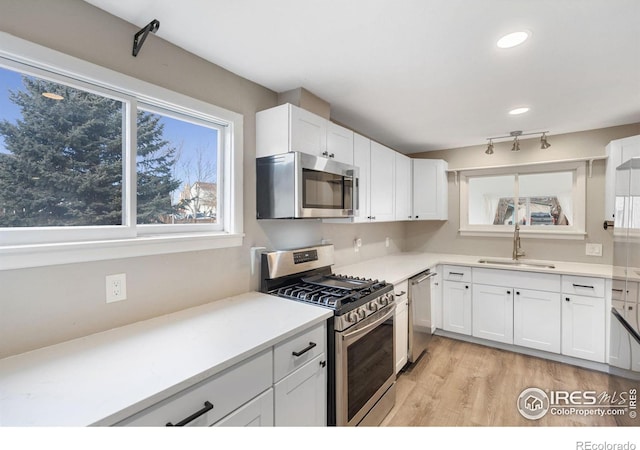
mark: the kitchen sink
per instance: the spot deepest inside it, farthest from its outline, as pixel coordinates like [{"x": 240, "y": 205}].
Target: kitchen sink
[{"x": 517, "y": 263}]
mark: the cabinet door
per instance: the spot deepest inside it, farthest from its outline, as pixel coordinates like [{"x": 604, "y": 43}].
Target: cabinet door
[
  {"x": 361, "y": 159},
  {"x": 301, "y": 398},
  {"x": 537, "y": 319},
  {"x": 307, "y": 132},
  {"x": 430, "y": 189},
  {"x": 456, "y": 307},
  {"x": 493, "y": 313},
  {"x": 403, "y": 187},
  {"x": 402, "y": 331},
  {"x": 257, "y": 413},
  {"x": 382, "y": 183},
  {"x": 340, "y": 143},
  {"x": 583, "y": 327}
]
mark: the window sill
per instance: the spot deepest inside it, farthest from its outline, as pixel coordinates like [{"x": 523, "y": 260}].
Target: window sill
[
  {"x": 24, "y": 256},
  {"x": 528, "y": 234}
]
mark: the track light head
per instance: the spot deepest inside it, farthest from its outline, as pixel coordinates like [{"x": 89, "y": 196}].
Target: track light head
[
  {"x": 489, "y": 150},
  {"x": 516, "y": 145},
  {"x": 544, "y": 144}
]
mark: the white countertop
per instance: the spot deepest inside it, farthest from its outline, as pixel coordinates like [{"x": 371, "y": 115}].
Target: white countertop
[
  {"x": 105, "y": 377},
  {"x": 400, "y": 266}
]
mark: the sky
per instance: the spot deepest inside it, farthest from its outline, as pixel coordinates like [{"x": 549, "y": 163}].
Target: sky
[{"x": 190, "y": 138}]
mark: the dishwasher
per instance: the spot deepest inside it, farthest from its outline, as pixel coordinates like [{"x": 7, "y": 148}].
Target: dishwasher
[{"x": 419, "y": 313}]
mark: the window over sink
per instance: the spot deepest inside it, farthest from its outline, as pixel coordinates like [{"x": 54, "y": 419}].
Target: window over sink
[{"x": 548, "y": 201}]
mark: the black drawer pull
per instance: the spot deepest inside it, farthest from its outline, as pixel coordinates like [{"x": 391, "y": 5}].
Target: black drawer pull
[
  {"x": 508, "y": 292},
  {"x": 517, "y": 292},
  {"x": 208, "y": 406},
  {"x": 304, "y": 350},
  {"x": 466, "y": 287},
  {"x": 567, "y": 299},
  {"x": 456, "y": 273},
  {"x": 617, "y": 290},
  {"x": 583, "y": 286},
  {"x": 323, "y": 363}
]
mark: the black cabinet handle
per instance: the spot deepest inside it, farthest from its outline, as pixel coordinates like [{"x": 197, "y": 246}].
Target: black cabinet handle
[
  {"x": 208, "y": 406},
  {"x": 304, "y": 350},
  {"x": 323, "y": 363},
  {"x": 456, "y": 273},
  {"x": 466, "y": 287},
  {"x": 417, "y": 217},
  {"x": 617, "y": 290},
  {"x": 567, "y": 299},
  {"x": 508, "y": 292},
  {"x": 583, "y": 286},
  {"x": 517, "y": 292}
]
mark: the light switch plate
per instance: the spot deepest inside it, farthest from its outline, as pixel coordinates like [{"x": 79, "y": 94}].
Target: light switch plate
[{"x": 593, "y": 249}]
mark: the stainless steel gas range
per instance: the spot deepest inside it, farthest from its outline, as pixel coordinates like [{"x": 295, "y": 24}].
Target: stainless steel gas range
[{"x": 360, "y": 339}]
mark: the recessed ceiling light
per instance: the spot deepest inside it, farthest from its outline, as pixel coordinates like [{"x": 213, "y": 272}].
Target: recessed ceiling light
[
  {"x": 516, "y": 111},
  {"x": 513, "y": 39},
  {"x": 52, "y": 96}
]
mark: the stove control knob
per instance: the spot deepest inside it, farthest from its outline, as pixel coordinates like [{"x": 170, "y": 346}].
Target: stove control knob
[
  {"x": 352, "y": 316},
  {"x": 373, "y": 306}
]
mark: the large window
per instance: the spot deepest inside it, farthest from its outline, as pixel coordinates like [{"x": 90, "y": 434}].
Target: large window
[
  {"x": 547, "y": 201},
  {"x": 91, "y": 156}
]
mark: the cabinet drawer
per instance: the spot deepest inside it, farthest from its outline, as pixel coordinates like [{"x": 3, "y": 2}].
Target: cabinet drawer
[
  {"x": 619, "y": 287},
  {"x": 457, "y": 273},
  {"x": 225, "y": 392},
  {"x": 517, "y": 279},
  {"x": 585, "y": 286},
  {"x": 285, "y": 358}
]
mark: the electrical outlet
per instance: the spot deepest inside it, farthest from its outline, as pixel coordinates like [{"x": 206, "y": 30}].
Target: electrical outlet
[
  {"x": 116, "y": 286},
  {"x": 593, "y": 249}
]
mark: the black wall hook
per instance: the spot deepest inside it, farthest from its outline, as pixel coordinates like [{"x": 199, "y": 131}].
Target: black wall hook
[{"x": 141, "y": 35}]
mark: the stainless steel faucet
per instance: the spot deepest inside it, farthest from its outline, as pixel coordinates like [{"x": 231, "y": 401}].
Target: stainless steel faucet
[{"x": 517, "y": 250}]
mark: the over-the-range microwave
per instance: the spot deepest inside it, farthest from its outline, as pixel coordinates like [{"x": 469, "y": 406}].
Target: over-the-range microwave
[{"x": 300, "y": 186}]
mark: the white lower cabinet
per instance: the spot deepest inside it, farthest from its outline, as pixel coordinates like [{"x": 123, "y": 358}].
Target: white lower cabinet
[
  {"x": 257, "y": 413},
  {"x": 537, "y": 319},
  {"x": 401, "y": 325},
  {"x": 583, "y": 327},
  {"x": 301, "y": 397},
  {"x": 493, "y": 313},
  {"x": 212, "y": 399},
  {"x": 456, "y": 306}
]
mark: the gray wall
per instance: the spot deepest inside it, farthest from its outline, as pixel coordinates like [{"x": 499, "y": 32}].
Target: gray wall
[
  {"x": 46, "y": 305},
  {"x": 443, "y": 237}
]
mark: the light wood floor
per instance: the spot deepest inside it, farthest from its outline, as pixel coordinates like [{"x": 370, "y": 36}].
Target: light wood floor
[{"x": 462, "y": 384}]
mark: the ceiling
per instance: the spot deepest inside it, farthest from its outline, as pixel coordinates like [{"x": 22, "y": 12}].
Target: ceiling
[{"x": 422, "y": 75}]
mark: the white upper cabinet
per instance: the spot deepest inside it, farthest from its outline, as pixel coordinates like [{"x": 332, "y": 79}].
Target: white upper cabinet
[
  {"x": 618, "y": 152},
  {"x": 403, "y": 187},
  {"x": 288, "y": 128},
  {"x": 340, "y": 143},
  {"x": 430, "y": 190},
  {"x": 362, "y": 160},
  {"x": 382, "y": 183}
]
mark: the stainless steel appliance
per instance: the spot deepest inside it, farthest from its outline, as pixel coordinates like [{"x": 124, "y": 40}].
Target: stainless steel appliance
[
  {"x": 419, "y": 313},
  {"x": 624, "y": 339},
  {"x": 360, "y": 339},
  {"x": 299, "y": 186}
]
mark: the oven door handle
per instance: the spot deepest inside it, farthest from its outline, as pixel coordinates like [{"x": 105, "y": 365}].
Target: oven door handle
[{"x": 354, "y": 335}]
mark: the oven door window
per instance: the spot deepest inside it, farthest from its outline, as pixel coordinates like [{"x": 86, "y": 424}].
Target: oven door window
[
  {"x": 370, "y": 363},
  {"x": 323, "y": 190}
]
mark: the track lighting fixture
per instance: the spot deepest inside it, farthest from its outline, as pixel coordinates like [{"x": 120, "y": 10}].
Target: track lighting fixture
[{"x": 516, "y": 141}]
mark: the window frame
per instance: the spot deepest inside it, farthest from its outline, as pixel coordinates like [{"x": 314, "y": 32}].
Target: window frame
[
  {"x": 575, "y": 231},
  {"x": 41, "y": 246}
]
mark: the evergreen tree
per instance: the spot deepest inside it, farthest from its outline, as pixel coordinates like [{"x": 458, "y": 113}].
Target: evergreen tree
[{"x": 64, "y": 166}]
